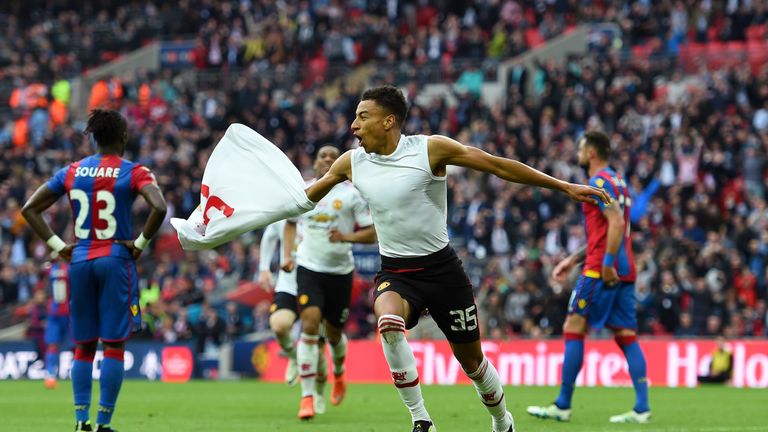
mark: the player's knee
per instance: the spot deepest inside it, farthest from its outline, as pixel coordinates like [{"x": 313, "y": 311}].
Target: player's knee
[
  {"x": 575, "y": 324},
  {"x": 333, "y": 334},
  {"x": 114, "y": 345},
  {"x": 310, "y": 328},
  {"x": 310, "y": 322},
  {"x": 389, "y": 303},
  {"x": 280, "y": 324}
]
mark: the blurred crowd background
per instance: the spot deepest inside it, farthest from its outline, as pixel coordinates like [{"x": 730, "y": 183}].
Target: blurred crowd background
[{"x": 692, "y": 142}]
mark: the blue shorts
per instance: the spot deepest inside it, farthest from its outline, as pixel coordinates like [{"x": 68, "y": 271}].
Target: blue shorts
[
  {"x": 615, "y": 308},
  {"x": 104, "y": 299},
  {"x": 57, "y": 330}
]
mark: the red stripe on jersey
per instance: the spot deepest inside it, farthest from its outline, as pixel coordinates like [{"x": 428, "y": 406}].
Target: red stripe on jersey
[
  {"x": 627, "y": 240},
  {"x": 140, "y": 177},
  {"x": 69, "y": 180},
  {"x": 597, "y": 232},
  {"x": 102, "y": 247}
]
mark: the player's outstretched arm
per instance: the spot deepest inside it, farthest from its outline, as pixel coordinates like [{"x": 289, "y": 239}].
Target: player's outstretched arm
[
  {"x": 153, "y": 196},
  {"x": 446, "y": 151},
  {"x": 289, "y": 240},
  {"x": 561, "y": 270},
  {"x": 340, "y": 171},
  {"x": 33, "y": 210}
]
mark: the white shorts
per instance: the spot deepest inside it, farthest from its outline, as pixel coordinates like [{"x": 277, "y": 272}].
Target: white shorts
[{"x": 286, "y": 282}]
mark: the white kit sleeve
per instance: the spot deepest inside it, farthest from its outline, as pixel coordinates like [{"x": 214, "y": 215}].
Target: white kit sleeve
[
  {"x": 248, "y": 184},
  {"x": 269, "y": 242}
]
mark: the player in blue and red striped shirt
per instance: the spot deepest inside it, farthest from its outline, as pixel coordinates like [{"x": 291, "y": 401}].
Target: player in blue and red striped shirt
[
  {"x": 57, "y": 321},
  {"x": 604, "y": 296},
  {"x": 103, "y": 287}
]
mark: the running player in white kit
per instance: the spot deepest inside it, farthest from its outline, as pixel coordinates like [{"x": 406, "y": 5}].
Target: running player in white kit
[
  {"x": 324, "y": 275},
  {"x": 284, "y": 311},
  {"x": 403, "y": 180}
]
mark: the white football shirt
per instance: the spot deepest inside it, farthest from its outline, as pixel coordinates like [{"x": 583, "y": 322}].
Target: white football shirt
[
  {"x": 341, "y": 209},
  {"x": 408, "y": 202},
  {"x": 273, "y": 236}
]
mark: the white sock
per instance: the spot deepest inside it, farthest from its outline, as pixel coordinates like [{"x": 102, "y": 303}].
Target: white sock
[
  {"x": 287, "y": 344},
  {"x": 306, "y": 355},
  {"x": 322, "y": 369},
  {"x": 402, "y": 364},
  {"x": 488, "y": 386},
  {"x": 339, "y": 352}
]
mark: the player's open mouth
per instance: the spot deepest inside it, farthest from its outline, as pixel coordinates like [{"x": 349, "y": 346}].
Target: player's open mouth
[{"x": 359, "y": 139}]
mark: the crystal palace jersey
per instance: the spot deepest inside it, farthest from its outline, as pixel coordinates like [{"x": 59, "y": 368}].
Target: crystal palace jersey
[
  {"x": 101, "y": 190},
  {"x": 597, "y": 228},
  {"x": 58, "y": 289}
]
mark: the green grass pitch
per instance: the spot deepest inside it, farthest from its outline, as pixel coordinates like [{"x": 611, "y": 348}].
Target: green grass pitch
[{"x": 255, "y": 406}]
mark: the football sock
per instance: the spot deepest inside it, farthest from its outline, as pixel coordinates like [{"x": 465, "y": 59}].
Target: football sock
[
  {"x": 488, "y": 386},
  {"x": 110, "y": 382},
  {"x": 574, "y": 356},
  {"x": 339, "y": 353},
  {"x": 636, "y": 363},
  {"x": 402, "y": 365},
  {"x": 306, "y": 355},
  {"x": 82, "y": 375},
  {"x": 322, "y": 369},
  {"x": 287, "y": 344},
  {"x": 51, "y": 362}
]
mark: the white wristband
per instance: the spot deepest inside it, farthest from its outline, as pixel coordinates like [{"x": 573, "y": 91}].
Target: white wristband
[
  {"x": 56, "y": 243},
  {"x": 141, "y": 242}
]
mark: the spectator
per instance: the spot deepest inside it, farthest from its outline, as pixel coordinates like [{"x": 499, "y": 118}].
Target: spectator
[
  {"x": 721, "y": 365},
  {"x": 210, "y": 331}
]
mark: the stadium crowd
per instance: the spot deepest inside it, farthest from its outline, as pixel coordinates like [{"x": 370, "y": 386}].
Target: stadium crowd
[{"x": 693, "y": 148}]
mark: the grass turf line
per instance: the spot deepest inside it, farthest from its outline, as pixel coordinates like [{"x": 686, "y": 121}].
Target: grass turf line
[{"x": 255, "y": 406}]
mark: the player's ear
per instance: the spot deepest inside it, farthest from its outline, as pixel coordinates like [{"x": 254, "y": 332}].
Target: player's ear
[{"x": 389, "y": 121}]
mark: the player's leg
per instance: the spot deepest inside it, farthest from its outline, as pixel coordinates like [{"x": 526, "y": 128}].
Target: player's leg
[
  {"x": 623, "y": 320},
  {"x": 486, "y": 381},
  {"x": 118, "y": 306},
  {"x": 284, "y": 314},
  {"x": 110, "y": 381},
  {"x": 84, "y": 313},
  {"x": 393, "y": 312},
  {"x": 82, "y": 380},
  {"x": 338, "y": 290},
  {"x": 454, "y": 311},
  {"x": 52, "y": 338},
  {"x": 311, "y": 300},
  {"x": 322, "y": 374},
  {"x": 580, "y": 308}
]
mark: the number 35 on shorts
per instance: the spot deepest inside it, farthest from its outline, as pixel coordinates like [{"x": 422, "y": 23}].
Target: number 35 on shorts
[{"x": 464, "y": 319}]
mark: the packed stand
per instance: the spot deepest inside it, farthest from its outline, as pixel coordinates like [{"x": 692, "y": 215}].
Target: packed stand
[{"x": 693, "y": 148}]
